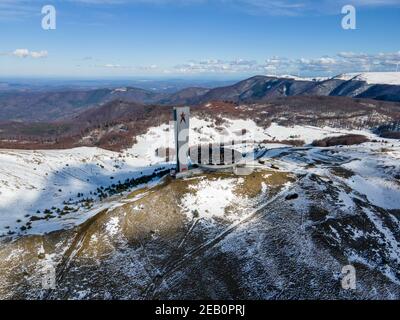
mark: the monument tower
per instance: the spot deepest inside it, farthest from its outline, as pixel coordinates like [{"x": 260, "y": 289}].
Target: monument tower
[{"x": 181, "y": 119}]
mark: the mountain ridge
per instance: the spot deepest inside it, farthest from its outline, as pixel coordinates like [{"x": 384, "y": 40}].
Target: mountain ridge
[
  {"x": 58, "y": 105},
  {"x": 115, "y": 125}
]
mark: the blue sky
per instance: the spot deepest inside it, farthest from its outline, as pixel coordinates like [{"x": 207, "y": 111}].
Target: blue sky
[{"x": 197, "y": 38}]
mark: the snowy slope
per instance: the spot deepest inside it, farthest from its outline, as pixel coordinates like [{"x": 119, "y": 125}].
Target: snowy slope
[
  {"x": 39, "y": 180},
  {"x": 373, "y": 168},
  {"x": 33, "y": 181},
  {"x": 283, "y": 232},
  {"x": 298, "y": 78},
  {"x": 232, "y": 129},
  {"x": 392, "y": 78}
]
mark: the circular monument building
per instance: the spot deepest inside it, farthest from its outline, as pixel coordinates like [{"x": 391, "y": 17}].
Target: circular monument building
[{"x": 214, "y": 156}]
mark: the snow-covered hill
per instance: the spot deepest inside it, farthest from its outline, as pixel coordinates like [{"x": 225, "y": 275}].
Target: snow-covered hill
[
  {"x": 391, "y": 78},
  {"x": 42, "y": 191},
  {"x": 283, "y": 232},
  {"x": 299, "y": 78}
]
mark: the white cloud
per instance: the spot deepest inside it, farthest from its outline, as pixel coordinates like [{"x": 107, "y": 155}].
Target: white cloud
[
  {"x": 152, "y": 67},
  {"x": 340, "y": 63},
  {"x": 21, "y": 53},
  {"x": 219, "y": 66},
  {"x": 39, "y": 54},
  {"x": 25, "y": 53},
  {"x": 113, "y": 66}
]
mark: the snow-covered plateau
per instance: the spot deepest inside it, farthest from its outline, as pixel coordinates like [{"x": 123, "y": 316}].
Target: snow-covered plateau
[{"x": 391, "y": 78}]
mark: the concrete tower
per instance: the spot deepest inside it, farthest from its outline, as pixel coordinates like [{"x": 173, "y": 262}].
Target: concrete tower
[{"x": 181, "y": 119}]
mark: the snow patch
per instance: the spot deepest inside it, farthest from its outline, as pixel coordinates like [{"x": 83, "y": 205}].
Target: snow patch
[
  {"x": 210, "y": 198},
  {"x": 112, "y": 226}
]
